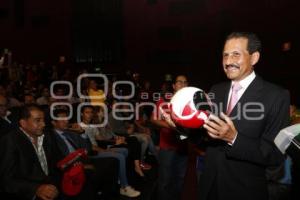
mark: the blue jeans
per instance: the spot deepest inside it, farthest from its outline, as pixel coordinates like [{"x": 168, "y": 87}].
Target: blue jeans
[
  {"x": 120, "y": 154},
  {"x": 172, "y": 169},
  {"x": 146, "y": 143}
]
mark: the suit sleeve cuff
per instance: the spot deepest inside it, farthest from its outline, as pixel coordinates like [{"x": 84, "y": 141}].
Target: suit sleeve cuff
[{"x": 232, "y": 142}]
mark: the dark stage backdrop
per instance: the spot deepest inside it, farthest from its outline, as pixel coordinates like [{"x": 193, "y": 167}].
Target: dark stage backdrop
[
  {"x": 152, "y": 37},
  {"x": 36, "y": 30},
  {"x": 97, "y": 32}
]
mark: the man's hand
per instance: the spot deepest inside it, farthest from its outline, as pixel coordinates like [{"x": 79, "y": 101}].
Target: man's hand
[
  {"x": 221, "y": 129},
  {"x": 130, "y": 129},
  {"x": 47, "y": 192},
  {"x": 99, "y": 149},
  {"x": 120, "y": 140},
  {"x": 89, "y": 166},
  {"x": 167, "y": 118},
  {"x": 76, "y": 128}
]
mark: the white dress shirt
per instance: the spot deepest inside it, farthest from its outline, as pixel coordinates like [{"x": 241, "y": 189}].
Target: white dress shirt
[{"x": 6, "y": 117}]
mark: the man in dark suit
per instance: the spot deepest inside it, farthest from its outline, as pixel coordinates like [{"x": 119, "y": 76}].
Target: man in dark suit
[
  {"x": 242, "y": 146},
  {"x": 27, "y": 166},
  {"x": 102, "y": 173}
]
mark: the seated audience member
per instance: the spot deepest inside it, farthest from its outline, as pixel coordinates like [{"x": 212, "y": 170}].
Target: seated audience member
[
  {"x": 96, "y": 95},
  {"x": 5, "y": 121},
  {"x": 101, "y": 172},
  {"x": 44, "y": 99},
  {"x": 29, "y": 99},
  {"x": 118, "y": 153},
  {"x": 294, "y": 115},
  {"x": 128, "y": 128},
  {"x": 28, "y": 159},
  {"x": 11, "y": 101},
  {"x": 106, "y": 137}
]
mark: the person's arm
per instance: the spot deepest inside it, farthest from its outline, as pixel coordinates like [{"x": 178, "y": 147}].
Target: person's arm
[
  {"x": 163, "y": 120},
  {"x": 160, "y": 123},
  {"x": 262, "y": 150},
  {"x": 85, "y": 143},
  {"x": 117, "y": 126},
  {"x": 91, "y": 135},
  {"x": 11, "y": 181},
  {"x": 141, "y": 128}
]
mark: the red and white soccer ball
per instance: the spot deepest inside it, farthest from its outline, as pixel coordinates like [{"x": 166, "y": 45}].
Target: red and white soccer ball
[{"x": 190, "y": 107}]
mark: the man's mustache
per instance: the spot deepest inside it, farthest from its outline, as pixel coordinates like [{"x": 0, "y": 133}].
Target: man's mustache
[{"x": 232, "y": 65}]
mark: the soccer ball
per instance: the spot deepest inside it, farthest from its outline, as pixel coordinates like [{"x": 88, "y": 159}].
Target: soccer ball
[{"x": 190, "y": 107}]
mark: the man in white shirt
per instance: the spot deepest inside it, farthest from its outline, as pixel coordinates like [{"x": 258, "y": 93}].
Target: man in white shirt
[
  {"x": 28, "y": 159},
  {"x": 249, "y": 113}
]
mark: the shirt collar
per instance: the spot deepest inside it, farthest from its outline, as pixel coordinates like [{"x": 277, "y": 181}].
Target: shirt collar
[
  {"x": 7, "y": 113},
  {"x": 40, "y": 139},
  {"x": 59, "y": 131},
  {"x": 6, "y": 116},
  {"x": 246, "y": 81},
  {"x": 84, "y": 125}
]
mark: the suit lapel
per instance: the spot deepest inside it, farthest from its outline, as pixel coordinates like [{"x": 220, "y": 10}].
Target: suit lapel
[
  {"x": 3, "y": 122},
  {"x": 28, "y": 149},
  {"x": 61, "y": 144},
  {"x": 253, "y": 92},
  {"x": 225, "y": 93}
]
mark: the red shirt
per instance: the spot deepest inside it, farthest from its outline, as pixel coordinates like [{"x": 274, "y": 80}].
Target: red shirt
[{"x": 168, "y": 137}]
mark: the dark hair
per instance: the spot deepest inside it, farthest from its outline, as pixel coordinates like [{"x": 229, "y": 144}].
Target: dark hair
[
  {"x": 59, "y": 111},
  {"x": 254, "y": 43},
  {"x": 26, "y": 110},
  {"x": 26, "y": 94},
  {"x": 86, "y": 107},
  {"x": 177, "y": 75}
]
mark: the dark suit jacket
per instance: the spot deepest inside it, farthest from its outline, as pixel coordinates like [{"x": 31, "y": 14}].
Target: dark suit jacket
[
  {"x": 5, "y": 127},
  {"x": 105, "y": 175},
  {"x": 20, "y": 169},
  {"x": 238, "y": 171},
  {"x": 78, "y": 141}
]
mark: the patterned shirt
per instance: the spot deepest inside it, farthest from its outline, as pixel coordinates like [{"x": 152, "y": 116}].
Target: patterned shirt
[{"x": 39, "y": 149}]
